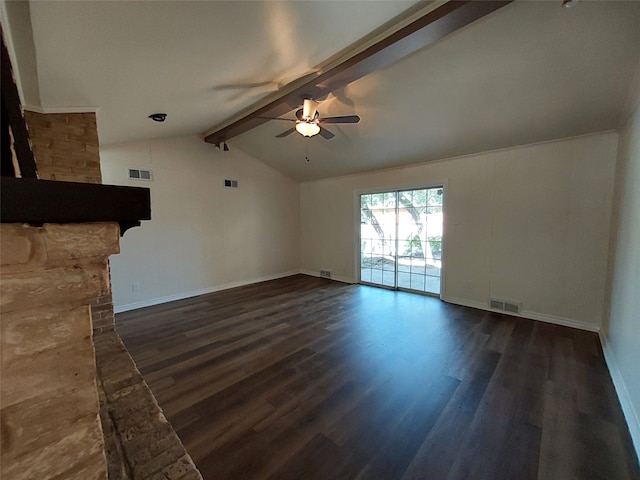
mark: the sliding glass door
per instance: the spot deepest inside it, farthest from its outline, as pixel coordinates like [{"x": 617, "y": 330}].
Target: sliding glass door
[{"x": 401, "y": 239}]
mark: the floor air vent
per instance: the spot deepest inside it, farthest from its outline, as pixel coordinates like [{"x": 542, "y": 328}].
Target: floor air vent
[
  {"x": 505, "y": 306},
  {"x": 511, "y": 307},
  {"x": 497, "y": 304}
]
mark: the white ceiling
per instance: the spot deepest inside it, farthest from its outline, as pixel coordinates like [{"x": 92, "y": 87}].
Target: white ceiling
[
  {"x": 530, "y": 72},
  {"x": 134, "y": 58}
]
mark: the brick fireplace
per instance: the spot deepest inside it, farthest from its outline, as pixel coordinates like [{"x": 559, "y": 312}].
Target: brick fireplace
[{"x": 73, "y": 404}]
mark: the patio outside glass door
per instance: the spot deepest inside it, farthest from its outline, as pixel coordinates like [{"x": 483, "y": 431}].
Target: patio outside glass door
[{"x": 401, "y": 239}]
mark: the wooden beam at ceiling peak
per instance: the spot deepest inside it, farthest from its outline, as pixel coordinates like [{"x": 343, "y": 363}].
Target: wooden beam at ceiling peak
[{"x": 418, "y": 34}]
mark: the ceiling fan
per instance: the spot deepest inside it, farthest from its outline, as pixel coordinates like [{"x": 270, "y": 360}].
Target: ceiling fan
[{"x": 308, "y": 121}]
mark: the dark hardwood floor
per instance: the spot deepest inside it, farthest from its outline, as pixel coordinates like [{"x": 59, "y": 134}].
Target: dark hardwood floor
[{"x": 305, "y": 378}]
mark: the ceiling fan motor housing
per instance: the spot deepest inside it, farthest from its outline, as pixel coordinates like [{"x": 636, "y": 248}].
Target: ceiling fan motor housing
[
  {"x": 300, "y": 116},
  {"x": 308, "y": 121}
]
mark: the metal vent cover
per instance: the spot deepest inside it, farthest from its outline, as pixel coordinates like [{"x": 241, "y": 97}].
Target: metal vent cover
[
  {"x": 140, "y": 174},
  {"x": 505, "y": 305},
  {"x": 512, "y": 307},
  {"x": 497, "y": 304}
]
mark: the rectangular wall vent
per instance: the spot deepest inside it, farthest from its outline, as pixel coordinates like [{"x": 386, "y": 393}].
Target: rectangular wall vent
[
  {"x": 497, "y": 304},
  {"x": 138, "y": 174},
  {"x": 231, "y": 183},
  {"x": 325, "y": 273},
  {"x": 505, "y": 305},
  {"x": 512, "y": 307}
]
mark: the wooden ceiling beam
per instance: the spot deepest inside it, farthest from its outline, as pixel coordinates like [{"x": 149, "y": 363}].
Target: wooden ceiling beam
[{"x": 422, "y": 32}]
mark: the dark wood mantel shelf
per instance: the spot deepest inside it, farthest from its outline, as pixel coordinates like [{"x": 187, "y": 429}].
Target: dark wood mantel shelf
[{"x": 27, "y": 200}]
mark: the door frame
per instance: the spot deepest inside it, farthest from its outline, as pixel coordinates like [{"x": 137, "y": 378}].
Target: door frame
[{"x": 444, "y": 183}]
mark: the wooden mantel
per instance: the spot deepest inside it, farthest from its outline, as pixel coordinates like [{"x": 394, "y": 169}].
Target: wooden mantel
[{"x": 27, "y": 200}]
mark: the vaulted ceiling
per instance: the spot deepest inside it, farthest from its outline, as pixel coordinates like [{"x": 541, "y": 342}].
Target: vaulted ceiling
[{"x": 529, "y": 72}]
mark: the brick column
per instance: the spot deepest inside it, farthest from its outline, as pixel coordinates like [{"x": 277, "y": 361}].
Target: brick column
[
  {"x": 65, "y": 146},
  {"x": 49, "y": 400}
]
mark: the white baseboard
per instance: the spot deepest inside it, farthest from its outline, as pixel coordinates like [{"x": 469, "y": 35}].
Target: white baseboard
[
  {"x": 464, "y": 302},
  {"x": 194, "y": 293},
  {"x": 317, "y": 274},
  {"x": 630, "y": 414},
  {"x": 566, "y": 322}
]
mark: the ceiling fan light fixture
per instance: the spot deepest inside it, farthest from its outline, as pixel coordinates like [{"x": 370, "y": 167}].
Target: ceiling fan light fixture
[{"x": 307, "y": 129}]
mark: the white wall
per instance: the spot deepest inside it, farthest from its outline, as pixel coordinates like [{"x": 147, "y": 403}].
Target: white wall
[
  {"x": 528, "y": 224},
  {"x": 621, "y": 331},
  {"x": 202, "y": 236}
]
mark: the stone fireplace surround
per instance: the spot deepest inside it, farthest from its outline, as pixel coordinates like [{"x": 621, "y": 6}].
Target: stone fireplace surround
[{"x": 73, "y": 404}]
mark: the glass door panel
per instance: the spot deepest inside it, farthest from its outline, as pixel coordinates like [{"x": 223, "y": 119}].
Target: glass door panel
[
  {"x": 378, "y": 238},
  {"x": 433, "y": 236}
]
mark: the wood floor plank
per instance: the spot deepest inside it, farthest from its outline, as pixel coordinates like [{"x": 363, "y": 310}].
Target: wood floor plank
[
  {"x": 306, "y": 378},
  {"x": 398, "y": 445}
]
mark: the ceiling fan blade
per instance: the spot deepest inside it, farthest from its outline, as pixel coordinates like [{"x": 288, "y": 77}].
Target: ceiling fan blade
[
  {"x": 326, "y": 134},
  {"x": 238, "y": 86},
  {"x": 286, "y": 132},
  {"x": 342, "y": 119},
  {"x": 278, "y": 118},
  {"x": 309, "y": 109}
]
